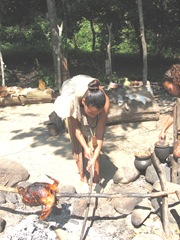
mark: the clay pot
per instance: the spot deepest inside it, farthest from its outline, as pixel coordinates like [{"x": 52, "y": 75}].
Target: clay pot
[
  {"x": 162, "y": 150},
  {"x": 142, "y": 160}
]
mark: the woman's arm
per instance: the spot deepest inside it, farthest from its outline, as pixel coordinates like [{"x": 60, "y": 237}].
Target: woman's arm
[
  {"x": 78, "y": 134},
  {"x": 168, "y": 123},
  {"x": 101, "y": 128}
]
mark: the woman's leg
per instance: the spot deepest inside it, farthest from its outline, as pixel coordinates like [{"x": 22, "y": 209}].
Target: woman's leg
[
  {"x": 96, "y": 178},
  {"x": 77, "y": 151},
  {"x": 80, "y": 162}
]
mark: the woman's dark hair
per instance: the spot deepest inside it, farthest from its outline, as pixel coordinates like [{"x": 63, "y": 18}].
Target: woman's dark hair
[
  {"x": 172, "y": 75},
  {"x": 95, "y": 96}
]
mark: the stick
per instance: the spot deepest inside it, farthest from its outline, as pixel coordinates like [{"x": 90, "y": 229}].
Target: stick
[
  {"x": 88, "y": 203},
  {"x": 8, "y": 189},
  {"x": 162, "y": 178},
  {"x": 116, "y": 195},
  {"x": 101, "y": 195}
]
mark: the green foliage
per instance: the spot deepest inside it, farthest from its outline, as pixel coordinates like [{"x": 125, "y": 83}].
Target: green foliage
[
  {"x": 83, "y": 38},
  {"x": 44, "y": 73}
]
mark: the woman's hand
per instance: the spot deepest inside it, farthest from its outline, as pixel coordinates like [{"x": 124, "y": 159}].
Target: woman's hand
[
  {"x": 162, "y": 135},
  {"x": 88, "y": 153},
  {"x": 90, "y": 164}
]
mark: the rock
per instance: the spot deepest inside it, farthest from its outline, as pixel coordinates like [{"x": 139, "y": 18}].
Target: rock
[
  {"x": 147, "y": 237},
  {"x": 54, "y": 118},
  {"x": 125, "y": 205},
  {"x": 125, "y": 175},
  {"x": 67, "y": 189},
  {"x": 173, "y": 201},
  {"x": 11, "y": 173},
  {"x": 2, "y": 197},
  {"x": 151, "y": 175},
  {"x": 141, "y": 212},
  {"x": 79, "y": 206},
  {"x": 105, "y": 210},
  {"x": 2, "y": 224},
  {"x": 12, "y": 197}
]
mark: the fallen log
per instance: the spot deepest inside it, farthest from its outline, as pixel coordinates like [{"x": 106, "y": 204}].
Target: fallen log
[
  {"x": 135, "y": 104},
  {"x": 10, "y": 96}
]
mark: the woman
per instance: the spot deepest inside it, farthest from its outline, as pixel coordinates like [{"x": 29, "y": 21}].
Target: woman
[
  {"x": 84, "y": 105},
  {"x": 171, "y": 82}
]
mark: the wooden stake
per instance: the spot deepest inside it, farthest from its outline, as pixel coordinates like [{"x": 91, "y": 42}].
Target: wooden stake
[{"x": 162, "y": 178}]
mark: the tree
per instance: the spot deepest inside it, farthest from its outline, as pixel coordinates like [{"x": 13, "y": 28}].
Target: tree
[{"x": 143, "y": 41}]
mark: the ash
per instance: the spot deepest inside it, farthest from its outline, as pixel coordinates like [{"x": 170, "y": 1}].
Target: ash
[{"x": 30, "y": 228}]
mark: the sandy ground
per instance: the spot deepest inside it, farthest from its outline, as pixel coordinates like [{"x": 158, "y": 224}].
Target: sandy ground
[{"x": 24, "y": 138}]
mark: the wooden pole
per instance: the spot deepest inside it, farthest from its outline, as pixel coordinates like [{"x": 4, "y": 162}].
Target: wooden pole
[
  {"x": 103, "y": 195},
  {"x": 162, "y": 178},
  {"x": 176, "y": 127}
]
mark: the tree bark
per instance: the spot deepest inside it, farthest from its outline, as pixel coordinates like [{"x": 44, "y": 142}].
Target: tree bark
[
  {"x": 143, "y": 41},
  {"x": 10, "y": 96},
  {"x": 2, "y": 69},
  {"x": 109, "y": 61},
  {"x": 55, "y": 41},
  {"x": 94, "y": 36}
]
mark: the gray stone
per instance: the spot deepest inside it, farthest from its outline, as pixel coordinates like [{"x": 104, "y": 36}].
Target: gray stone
[
  {"x": 2, "y": 224},
  {"x": 126, "y": 175},
  {"x": 173, "y": 201},
  {"x": 78, "y": 207},
  {"x": 105, "y": 210},
  {"x": 2, "y": 197},
  {"x": 125, "y": 205},
  {"x": 151, "y": 175},
  {"x": 11, "y": 173},
  {"x": 12, "y": 197},
  {"x": 141, "y": 212},
  {"x": 67, "y": 189}
]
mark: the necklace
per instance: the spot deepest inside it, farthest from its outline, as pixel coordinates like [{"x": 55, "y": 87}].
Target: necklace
[{"x": 90, "y": 124}]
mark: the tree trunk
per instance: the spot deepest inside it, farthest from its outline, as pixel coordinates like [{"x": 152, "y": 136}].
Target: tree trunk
[
  {"x": 109, "y": 62},
  {"x": 55, "y": 41},
  {"x": 2, "y": 69},
  {"x": 143, "y": 41},
  {"x": 94, "y": 36}
]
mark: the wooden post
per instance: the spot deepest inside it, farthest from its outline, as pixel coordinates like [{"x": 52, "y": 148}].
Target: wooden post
[
  {"x": 160, "y": 172},
  {"x": 176, "y": 127}
]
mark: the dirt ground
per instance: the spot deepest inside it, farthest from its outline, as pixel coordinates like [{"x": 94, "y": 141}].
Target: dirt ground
[{"x": 25, "y": 139}]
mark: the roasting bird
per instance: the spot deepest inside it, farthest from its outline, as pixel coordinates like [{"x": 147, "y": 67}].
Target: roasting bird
[{"x": 40, "y": 193}]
